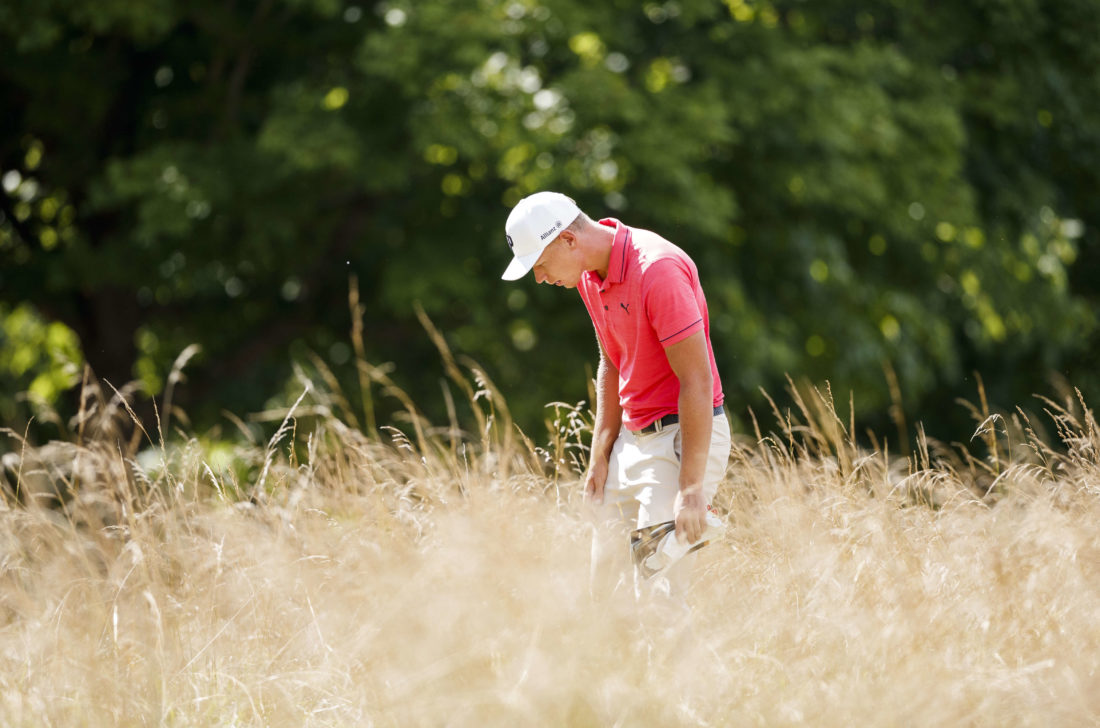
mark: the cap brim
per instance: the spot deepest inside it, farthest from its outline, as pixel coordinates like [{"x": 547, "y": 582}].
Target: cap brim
[{"x": 520, "y": 266}]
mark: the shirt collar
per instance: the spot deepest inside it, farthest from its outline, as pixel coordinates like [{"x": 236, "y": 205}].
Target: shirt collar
[{"x": 616, "y": 266}]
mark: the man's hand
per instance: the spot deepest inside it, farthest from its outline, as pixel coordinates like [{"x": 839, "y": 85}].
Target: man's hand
[
  {"x": 595, "y": 480},
  {"x": 690, "y": 511}
]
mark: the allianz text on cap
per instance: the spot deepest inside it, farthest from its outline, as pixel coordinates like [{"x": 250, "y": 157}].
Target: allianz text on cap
[{"x": 532, "y": 225}]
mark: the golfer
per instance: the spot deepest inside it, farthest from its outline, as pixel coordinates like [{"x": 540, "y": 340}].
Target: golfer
[{"x": 661, "y": 440}]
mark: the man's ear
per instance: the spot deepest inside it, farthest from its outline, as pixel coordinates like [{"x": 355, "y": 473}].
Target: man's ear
[{"x": 568, "y": 237}]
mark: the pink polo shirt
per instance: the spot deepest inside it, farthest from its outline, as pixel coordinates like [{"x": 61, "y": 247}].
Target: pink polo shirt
[{"x": 651, "y": 299}]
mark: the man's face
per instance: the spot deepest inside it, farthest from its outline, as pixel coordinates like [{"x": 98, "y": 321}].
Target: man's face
[{"x": 559, "y": 264}]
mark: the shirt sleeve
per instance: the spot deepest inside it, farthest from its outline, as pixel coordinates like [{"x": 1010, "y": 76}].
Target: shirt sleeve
[{"x": 671, "y": 305}]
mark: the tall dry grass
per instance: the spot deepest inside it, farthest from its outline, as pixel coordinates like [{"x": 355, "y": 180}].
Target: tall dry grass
[{"x": 341, "y": 575}]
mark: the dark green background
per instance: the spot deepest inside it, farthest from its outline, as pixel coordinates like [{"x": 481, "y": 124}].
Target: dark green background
[{"x": 866, "y": 186}]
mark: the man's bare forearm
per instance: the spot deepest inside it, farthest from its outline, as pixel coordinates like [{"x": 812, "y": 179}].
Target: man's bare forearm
[
  {"x": 691, "y": 363},
  {"x": 609, "y": 413},
  {"x": 696, "y": 423}
]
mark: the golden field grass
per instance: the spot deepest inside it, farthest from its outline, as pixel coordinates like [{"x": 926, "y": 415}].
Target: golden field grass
[{"x": 425, "y": 577}]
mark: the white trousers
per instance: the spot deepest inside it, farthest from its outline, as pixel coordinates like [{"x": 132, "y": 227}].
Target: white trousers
[
  {"x": 642, "y": 482},
  {"x": 643, "y": 476}
]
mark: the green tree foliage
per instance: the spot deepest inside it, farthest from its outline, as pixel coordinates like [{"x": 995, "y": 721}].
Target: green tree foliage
[
  {"x": 38, "y": 361},
  {"x": 866, "y": 186}
]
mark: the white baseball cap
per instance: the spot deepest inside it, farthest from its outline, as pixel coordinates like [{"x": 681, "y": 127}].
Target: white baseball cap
[{"x": 533, "y": 224}]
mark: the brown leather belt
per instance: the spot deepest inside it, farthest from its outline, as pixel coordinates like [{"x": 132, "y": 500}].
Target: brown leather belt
[{"x": 667, "y": 420}]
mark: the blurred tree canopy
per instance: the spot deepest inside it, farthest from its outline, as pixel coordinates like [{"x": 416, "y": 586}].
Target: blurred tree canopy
[{"x": 871, "y": 189}]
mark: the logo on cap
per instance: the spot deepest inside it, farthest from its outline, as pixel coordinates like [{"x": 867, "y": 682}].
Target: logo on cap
[
  {"x": 511, "y": 245},
  {"x": 551, "y": 231}
]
